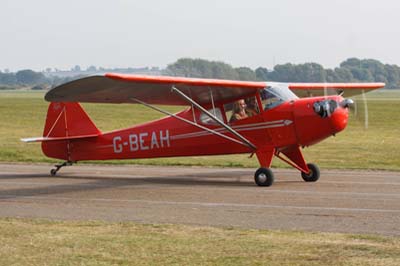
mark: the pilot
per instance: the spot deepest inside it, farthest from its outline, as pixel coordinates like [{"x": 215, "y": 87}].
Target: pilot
[
  {"x": 252, "y": 108},
  {"x": 239, "y": 111}
]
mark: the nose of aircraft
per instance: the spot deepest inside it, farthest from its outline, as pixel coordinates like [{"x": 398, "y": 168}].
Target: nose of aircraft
[
  {"x": 320, "y": 117},
  {"x": 340, "y": 117},
  {"x": 335, "y": 110}
]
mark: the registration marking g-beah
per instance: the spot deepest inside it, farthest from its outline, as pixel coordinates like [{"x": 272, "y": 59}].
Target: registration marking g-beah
[
  {"x": 137, "y": 142},
  {"x": 268, "y": 119}
]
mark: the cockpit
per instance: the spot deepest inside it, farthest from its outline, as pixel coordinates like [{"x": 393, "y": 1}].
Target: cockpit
[
  {"x": 276, "y": 94},
  {"x": 272, "y": 96}
]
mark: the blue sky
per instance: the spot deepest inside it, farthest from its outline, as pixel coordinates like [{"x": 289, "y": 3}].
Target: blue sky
[{"x": 121, "y": 33}]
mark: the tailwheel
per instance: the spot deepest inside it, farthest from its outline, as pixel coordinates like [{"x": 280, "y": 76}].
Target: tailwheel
[
  {"x": 313, "y": 175},
  {"x": 53, "y": 172},
  {"x": 264, "y": 177}
]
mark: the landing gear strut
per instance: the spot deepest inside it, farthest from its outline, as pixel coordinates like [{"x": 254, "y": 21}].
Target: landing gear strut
[
  {"x": 54, "y": 171},
  {"x": 264, "y": 177}
]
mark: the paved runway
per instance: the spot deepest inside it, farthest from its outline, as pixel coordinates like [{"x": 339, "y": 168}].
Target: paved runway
[{"x": 342, "y": 201}]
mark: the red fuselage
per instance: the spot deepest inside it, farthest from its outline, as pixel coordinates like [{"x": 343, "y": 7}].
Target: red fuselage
[{"x": 294, "y": 122}]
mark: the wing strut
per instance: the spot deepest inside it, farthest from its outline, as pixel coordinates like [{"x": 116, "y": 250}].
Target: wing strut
[
  {"x": 189, "y": 122},
  {"x": 234, "y": 132}
]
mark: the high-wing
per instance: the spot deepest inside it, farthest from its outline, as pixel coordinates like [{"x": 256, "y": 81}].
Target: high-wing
[
  {"x": 320, "y": 89},
  {"x": 118, "y": 88}
]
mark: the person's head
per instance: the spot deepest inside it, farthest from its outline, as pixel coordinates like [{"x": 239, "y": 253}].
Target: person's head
[
  {"x": 251, "y": 102},
  {"x": 238, "y": 106}
]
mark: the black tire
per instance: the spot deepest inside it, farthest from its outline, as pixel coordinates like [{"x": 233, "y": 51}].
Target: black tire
[
  {"x": 53, "y": 172},
  {"x": 314, "y": 174},
  {"x": 264, "y": 177}
]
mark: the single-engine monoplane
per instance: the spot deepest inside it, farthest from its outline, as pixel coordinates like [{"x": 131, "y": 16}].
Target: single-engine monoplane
[{"x": 222, "y": 117}]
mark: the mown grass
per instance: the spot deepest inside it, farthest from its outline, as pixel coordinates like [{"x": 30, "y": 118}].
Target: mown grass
[
  {"x": 22, "y": 115},
  {"x": 42, "y": 242}
]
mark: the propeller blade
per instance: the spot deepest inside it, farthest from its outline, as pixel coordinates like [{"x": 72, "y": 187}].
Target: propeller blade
[
  {"x": 325, "y": 92},
  {"x": 365, "y": 109}
]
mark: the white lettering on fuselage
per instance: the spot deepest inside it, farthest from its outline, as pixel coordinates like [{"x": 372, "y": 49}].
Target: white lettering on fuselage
[
  {"x": 142, "y": 142},
  {"x": 133, "y": 142},
  {"x": 117, "y": 145}
]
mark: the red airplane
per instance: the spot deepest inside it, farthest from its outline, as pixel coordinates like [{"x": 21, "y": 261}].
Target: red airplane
[{"x": 223, "y": 117}]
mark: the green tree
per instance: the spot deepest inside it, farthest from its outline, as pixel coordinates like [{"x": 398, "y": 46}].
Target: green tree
[
  {"x": 283, "y": 73},
  {"x": 262, "y": 73},
  {"x": 343, "y": 74},
  {"x": 393, "y": 76},
  {"x": 366, "y": 70},
  {"x": 331, "y": 76},
  {"x": 28, "y": 76},
  {"x": 246, "y": 73},
  {"x": 76, "y": 68},
  {"x": 376, "y": 68},
  {"x": 187, "y": 67},
  {"x": 8, "y": 78},
  {"x": 351, "y": 62},
  {"x": 91, "y": 69},
  {"x": 310, "y": 72}
]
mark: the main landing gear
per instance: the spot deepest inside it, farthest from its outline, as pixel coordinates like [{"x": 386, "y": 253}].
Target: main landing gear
[
  {"x": 264, "y": 177},
  {"x": 54, "y": 171},
  {"x": 291, "y": 155},
  {"x": 313, "y": 175}
]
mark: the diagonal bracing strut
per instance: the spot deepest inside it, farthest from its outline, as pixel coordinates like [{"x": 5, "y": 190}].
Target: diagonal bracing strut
[
  {"x": 189, "y": 122},
  {"x": 221, "y": 123}
]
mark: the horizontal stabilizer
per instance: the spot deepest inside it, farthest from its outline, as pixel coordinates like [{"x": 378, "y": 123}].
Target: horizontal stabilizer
[{"x": 44, "y": 139}]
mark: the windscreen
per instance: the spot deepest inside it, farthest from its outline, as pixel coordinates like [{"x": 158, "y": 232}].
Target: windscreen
[{"x": 276, "y": 94}]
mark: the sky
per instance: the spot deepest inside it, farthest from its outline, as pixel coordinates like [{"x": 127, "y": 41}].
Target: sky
[{"x": 60, "y": 34}]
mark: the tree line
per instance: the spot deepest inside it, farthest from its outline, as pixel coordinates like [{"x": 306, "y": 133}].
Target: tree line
[
  {"x": 30, "y": 78},
  {"x": 350, "y": 70}
]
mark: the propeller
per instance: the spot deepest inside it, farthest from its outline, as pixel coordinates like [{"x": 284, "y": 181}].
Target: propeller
[
  {"x": 351, "y": 104},
  {"x": 326, "y": 107}
]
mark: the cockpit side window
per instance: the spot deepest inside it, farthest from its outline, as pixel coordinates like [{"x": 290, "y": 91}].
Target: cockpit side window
[
  {"x": 206, "y": 120},
  {"x": 269, "y": 99}
]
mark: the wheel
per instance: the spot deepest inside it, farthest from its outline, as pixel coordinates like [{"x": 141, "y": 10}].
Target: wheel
[
  {"x": 53, "y": 172},
  {"x": 313, "y": 175},
  {"x": 264, "y": 177}
]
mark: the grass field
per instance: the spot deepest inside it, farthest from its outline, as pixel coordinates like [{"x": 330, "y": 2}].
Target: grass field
[
  {"x": 42, "y": 242},
  {"x": 23, "y": 113}
]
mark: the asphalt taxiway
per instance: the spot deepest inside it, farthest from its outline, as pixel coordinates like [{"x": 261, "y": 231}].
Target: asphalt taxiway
[{"x": 341, "y": 201}]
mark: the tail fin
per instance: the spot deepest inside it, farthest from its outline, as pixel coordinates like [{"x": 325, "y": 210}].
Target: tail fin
[
  {"x": 64, "y": 122},
  {"x": 68, "y": 120}
]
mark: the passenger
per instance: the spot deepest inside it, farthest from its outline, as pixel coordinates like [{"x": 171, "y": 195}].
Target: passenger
[
  {"x": 252, "y": 108},
  {"x": 239, "y": 111}
]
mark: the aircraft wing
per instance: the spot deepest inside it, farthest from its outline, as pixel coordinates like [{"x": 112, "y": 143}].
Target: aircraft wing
[
  {"x": 320, "y": 89},
  {"x": 119, "y": 88}
]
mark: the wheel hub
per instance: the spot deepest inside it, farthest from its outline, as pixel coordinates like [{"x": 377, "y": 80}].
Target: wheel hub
[
  {"x": 262, "y": 177},
  {"x": 310, "y": 174}
]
